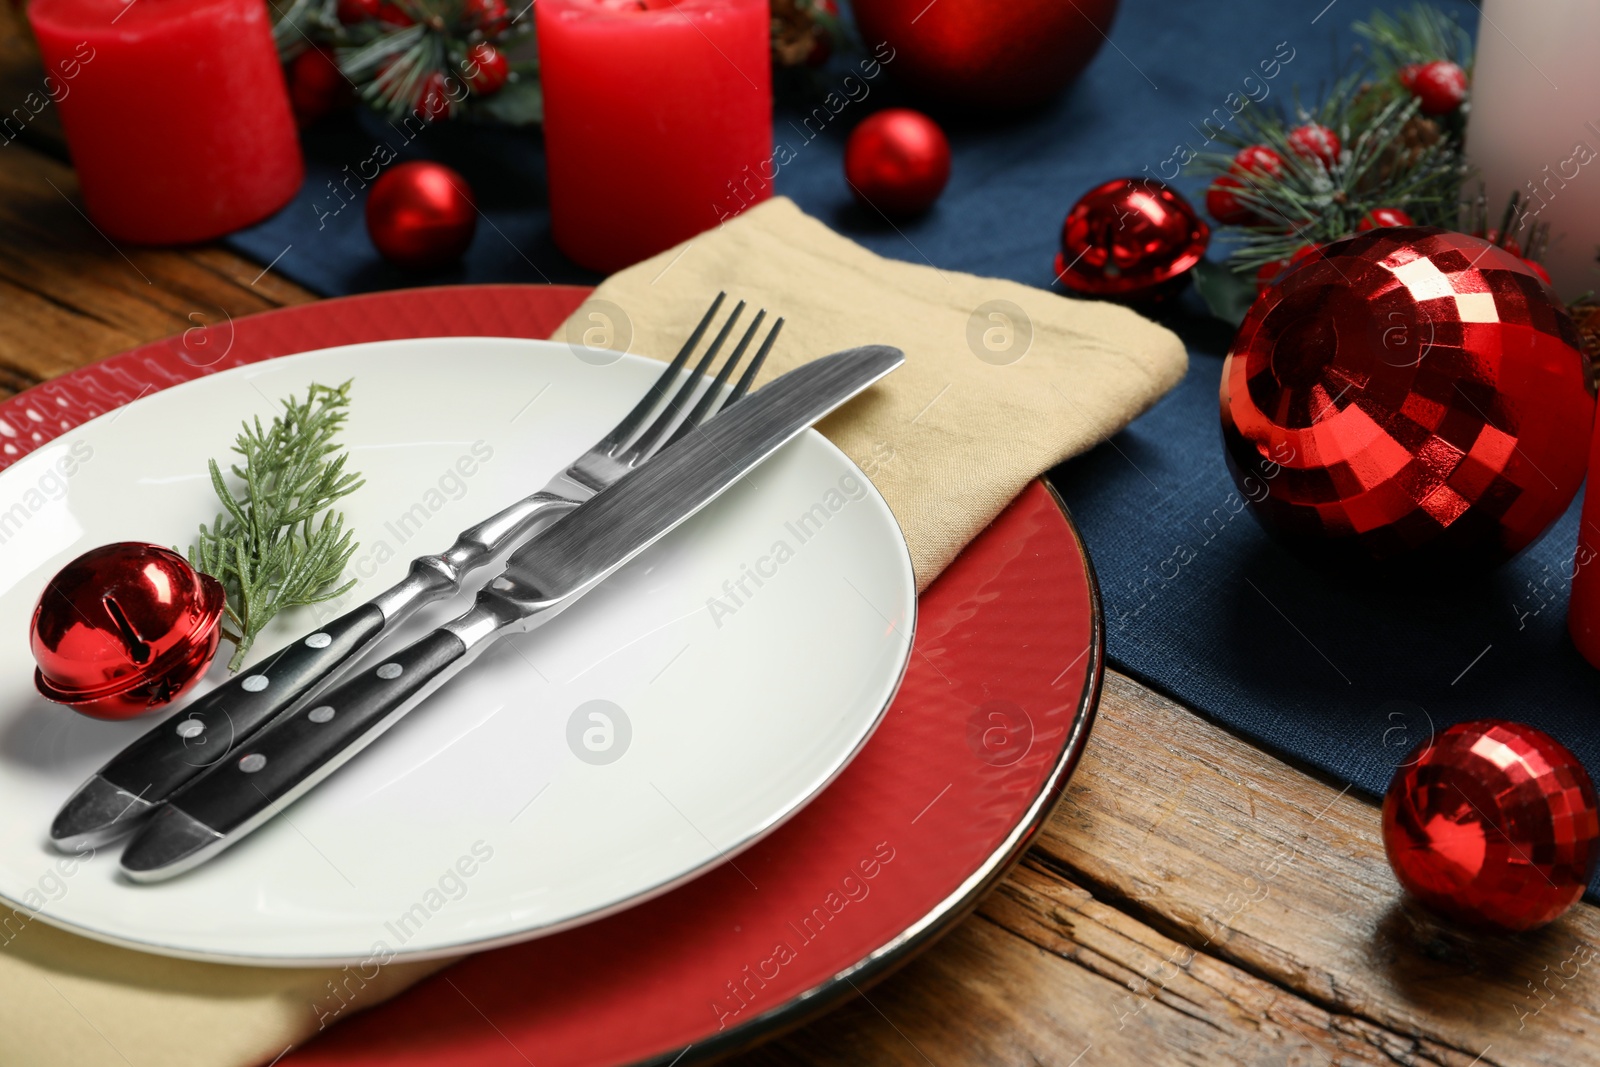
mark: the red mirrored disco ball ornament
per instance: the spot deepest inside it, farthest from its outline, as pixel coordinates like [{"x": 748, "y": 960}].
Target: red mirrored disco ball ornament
[
  {"x": 1130, "y": 237},
  {"x": 1493, "y": 823},
  {"x": 421, "y": 215},
  {"x": 1409, "y": 395},
  {"x": 123, "y": 629},
  {"x": 897, "y": 161}
]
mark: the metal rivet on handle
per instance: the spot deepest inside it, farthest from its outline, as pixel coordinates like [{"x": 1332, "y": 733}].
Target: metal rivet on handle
[
  {"x": 320, "y": 715},
  {"x": 390, "y": 671},
  {"x": 252, "y": 763},
  {"x": 254, "y": 684},
  {"x": 318, "y": 640},
  {"x": 191, "y": 728}
]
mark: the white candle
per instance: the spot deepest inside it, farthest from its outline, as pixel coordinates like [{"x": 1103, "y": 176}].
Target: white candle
[{"x": 1535, "y": 125}]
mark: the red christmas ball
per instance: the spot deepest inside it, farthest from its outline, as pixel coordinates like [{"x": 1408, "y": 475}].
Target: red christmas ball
[
  {"x": 1493, "y": 823},
  {"x": 1384, "y": 216},
  {"x": 421, "y": 215},
  {"x": 897, "y": 161},
  {"x": 1224, "y": 205},
  {"x": 1440, "y": 87},
  {"x": 985, "y": 53},
  {"x": 1538, "y": 268},
  {"x": 1409, "y": 394},
  {"x": 1260, "y": 160},
  {"x": 485, "y": 69},
  {"x": 1313, "y": 142},
  {"x": 351, "y": 12},
  {"x": 123, "y": 629},
  {"x": 316, "y": 86},
  {"x": 1130, "y": 237},
  {"x": 1268, "y": 273}
]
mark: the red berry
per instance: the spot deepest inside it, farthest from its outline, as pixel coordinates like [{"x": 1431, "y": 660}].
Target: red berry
[
  {"x": 485, "y": 68},
  {"x": 1538, "y": 268},
  {"x": 354, "y": 11},
  {"x": 489, "y": 15},
  {"x": 316, "y": 86},
  {"x": 433, "y": 97},
  {"x": 393, "y": 15},
  {"x": 1319, "y": 143},
  {"x": 1224, "y": 205},
  {"x": 1441, "y": 86},
  {"x": 1305, "y": 252},
  {"x": 1258, "y": 159},
  {"x": 1384, "y": 216},
  {"x": 1267, "y": 273}
]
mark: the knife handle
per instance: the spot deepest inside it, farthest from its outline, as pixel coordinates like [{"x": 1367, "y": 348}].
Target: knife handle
[
  {"x": 296, "y": 751},
  {"x": 183, "y": 745}
]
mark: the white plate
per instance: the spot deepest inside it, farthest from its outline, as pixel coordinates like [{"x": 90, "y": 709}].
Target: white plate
[{"x": 490, "y": 814}]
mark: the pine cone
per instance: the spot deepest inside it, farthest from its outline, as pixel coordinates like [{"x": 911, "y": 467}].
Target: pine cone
[
  {"x": 794, "y": 35},
  {"x": 1417, "y": 136}
]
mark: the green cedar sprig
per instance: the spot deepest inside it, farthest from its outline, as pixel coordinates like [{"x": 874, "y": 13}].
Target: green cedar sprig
[{"x": 279, "y": 545}]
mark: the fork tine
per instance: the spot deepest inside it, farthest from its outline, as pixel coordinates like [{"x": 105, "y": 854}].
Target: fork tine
[
  {"x": 648, "y": 442},
  {"x": 713, "y": 394},
  {"x": 631, "y": 422},
  {"x": 751, "y": 371}
]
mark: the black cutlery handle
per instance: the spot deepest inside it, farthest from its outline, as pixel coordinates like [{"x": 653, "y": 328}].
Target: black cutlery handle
[
  {"x": 184, "y": 745},
  {"x": 298, "y": 750}
]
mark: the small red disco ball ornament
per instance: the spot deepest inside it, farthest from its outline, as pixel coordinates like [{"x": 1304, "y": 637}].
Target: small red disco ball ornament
[
  {"x": 123, "y": 629},
  {"x": 1407, "y": 395},
  {"x": 1130, "y": 237},
  {"x": 1493, "y": 823}
]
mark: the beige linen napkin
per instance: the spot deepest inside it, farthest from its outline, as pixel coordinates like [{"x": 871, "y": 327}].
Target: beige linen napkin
[{"x": 1001, "y": 382}]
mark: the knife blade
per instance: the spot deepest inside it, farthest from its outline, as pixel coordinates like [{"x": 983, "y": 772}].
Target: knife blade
[{"x": 548, "y": 574}]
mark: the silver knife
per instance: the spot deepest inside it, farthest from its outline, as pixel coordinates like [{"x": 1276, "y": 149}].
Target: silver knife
[
  {"x": 124, "y": 792},
  {"x": 543, "y": 578}
]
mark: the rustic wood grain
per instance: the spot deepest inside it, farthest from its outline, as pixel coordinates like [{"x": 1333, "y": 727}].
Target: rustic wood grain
[
  {"x": 1195, "y": 900},
  {"x": 71, "y": 295}
]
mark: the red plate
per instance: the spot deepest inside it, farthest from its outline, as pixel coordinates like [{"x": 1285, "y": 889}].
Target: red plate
[{"x": 970, "y": 759}]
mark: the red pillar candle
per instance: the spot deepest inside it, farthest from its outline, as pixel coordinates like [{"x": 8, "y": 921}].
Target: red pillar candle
[
  {"x": 657, "y": 120},
  {"x": 1583, "y": 609},
  {"x": 178, "y": 119}
]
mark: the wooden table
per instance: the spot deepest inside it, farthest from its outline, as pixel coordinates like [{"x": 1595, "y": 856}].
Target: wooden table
[{"x": 1192, "y": 900}]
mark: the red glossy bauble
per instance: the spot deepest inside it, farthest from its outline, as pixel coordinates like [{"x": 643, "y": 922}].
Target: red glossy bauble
[
  {"x": 1440, "y": 87},
  {"x": 1493, "y": 823},
  {"x": 897, "y": 161},
  {"x": 1383, "y": 216},
  {"x": 1314, "y": 142},
  {"x": 123, "y": 629},
  {"x": 985, "y": 54},
  {"x": 485, "y": 69},
  {"x": 421, "y": 215},
  {"x": 1407, "y": 394},
  {"x": 316, "y": 86},
  {"x": 1223, "y": 203},
  {"x": 1130, "y": 237}
]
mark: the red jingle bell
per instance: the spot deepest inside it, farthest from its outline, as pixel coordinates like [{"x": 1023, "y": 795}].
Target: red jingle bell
[
  {"x": 123, "y": 629},
  {"x": 1410, "y": 395},
  {"x": 1493, "y": 823},
  {"x": 1130, "y": 237}
]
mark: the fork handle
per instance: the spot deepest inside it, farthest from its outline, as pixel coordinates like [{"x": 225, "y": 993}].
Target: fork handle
[
  {"x": 289, "y": 757},
  {"x": 164, "y": 758}
]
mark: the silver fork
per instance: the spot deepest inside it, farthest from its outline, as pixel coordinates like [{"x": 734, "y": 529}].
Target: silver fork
[{"x": 123, "y": 792}]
